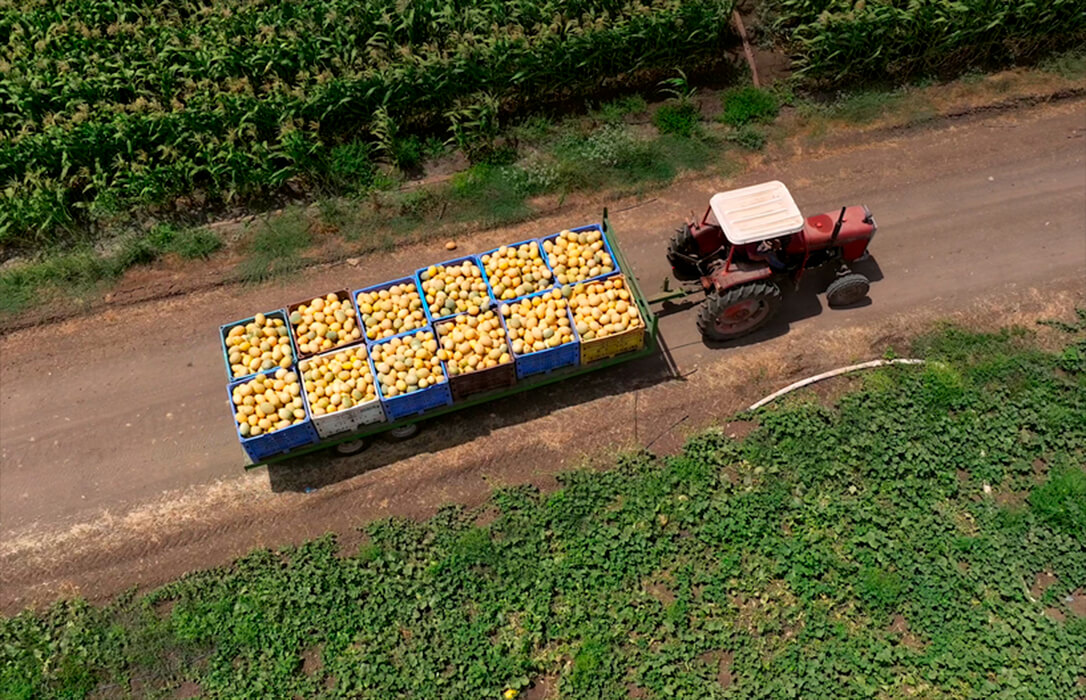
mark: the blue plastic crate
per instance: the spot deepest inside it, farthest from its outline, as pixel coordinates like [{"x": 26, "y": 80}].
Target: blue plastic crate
[
  {"x": 490, "y": 287},
  {"x": 224, "y": 329},
  {"x": 378, "y": 287},
  {"x": 606, "y": 246},
  {"x": 270, "y": 444},
  {"x": 455, "y": 261},
  {"x": 419, "y": 401},
  {"x": 543, "y": 361}
]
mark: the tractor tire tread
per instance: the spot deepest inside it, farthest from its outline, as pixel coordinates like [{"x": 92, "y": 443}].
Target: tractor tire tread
[
  {"x": 676, "y": 245},
  {"x": 849, "y": 285},
  {"x": 713, "y": 306}
]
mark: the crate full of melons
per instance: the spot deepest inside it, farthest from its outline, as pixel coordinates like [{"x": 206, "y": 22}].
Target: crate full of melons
[
  {"x": 476, "y": 353},
  {"x": 270, "y": 413},
  {"x": 410, "y": 377},
  {"x": 541, "y": 333},
  {"x": 453, "y": 287},
  {"x": 257, "y": 344},
  {"x": 606, "y": 318},
  {"x": 324, "y": 323},
  {"x": 340, "y": 391},
  {"x": 516, "y": 270},
  {"x": 389, "y": 309},
  {"x": 579, "y": 255}
]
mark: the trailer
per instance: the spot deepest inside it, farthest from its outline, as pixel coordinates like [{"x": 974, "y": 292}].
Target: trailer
[
  {"x": 634, "y": 346},
  {"x": 748, "y": 244}
]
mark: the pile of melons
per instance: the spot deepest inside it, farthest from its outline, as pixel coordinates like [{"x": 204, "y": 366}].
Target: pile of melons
[
  {"x": 389, "y": 312},
  {"x": 408, "y": 363},
  {"x": 268, "y": 403},
  {"x": 337, "y": 381},
  {"x": 455, "y": 289},
  {"x": 603, "y": 308},
  {"x": 260, "y": 344},
  {"x": 575, "y": 257},
  {"x": 517, "y": 271},
  {"x": 324, "y": 323},
  {"x": 470, "y": 343},
  {"x": 538, "y": 323}
]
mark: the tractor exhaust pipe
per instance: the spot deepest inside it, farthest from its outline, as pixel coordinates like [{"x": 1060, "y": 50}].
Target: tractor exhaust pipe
[{"x": 837, "y": 226}]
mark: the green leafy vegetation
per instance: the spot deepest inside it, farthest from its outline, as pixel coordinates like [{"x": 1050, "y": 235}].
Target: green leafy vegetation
[
  {"x": 846, "y": 42},
  {"x": 749, "y": 105},
  {"x": 749, "y": 137},
  {"x": 110, "y": 105},
  {"x": 680, "y": 118},
  {"x": 840, "y": 551}
]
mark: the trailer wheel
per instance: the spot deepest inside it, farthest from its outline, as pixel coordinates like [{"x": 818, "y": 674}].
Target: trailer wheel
[
  {"x": 680, "y": 245},
  {"x": 847, "y": 290},
  {"x": 351, "y": 447},
  {"x": 404, "y": 432},
  {"x": 739, "y": 310}
]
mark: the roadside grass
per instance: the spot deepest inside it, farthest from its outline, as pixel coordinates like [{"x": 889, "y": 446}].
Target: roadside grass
[
  {"x": 277, "y": 248},
  {"x": 847, "y": 550},
  {"x": 82, "y": 271},
  {"x": 1070, "y": 64}
]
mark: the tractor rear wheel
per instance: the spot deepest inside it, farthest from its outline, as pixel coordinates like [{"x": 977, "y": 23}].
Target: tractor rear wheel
[
  {"x": 682, "y": 244},
  {"x": 847, "y": 290},
  {"x": 739, "y": 310}
]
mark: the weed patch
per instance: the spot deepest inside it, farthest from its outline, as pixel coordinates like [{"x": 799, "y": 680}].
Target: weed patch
[
  {"x": 749, "y": 105},
  {"x": 277, "y": 248},
  {"x": 679, "y": 118}
]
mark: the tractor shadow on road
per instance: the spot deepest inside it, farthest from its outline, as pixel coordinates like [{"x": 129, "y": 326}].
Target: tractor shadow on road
[
  {"x": 797, "y": 304},
  {"x": 319, "y": 469}
]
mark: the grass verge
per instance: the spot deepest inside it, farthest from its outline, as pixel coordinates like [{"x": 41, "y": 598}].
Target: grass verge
[
  {"x": 883, "y": 546},
  {"x": 83, "y": 271}
]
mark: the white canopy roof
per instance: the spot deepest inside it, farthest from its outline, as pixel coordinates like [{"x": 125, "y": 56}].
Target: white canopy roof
[{"x": 756, "y": 213}]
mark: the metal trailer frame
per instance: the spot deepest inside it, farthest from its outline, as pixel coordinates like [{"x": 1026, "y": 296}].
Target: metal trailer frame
[{"x": 558, "y": 375}]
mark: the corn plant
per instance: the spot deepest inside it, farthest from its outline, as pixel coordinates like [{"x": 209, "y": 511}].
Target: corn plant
[
  {"x": 839, "y": 41},
  {"x": 136, "y": 103}
]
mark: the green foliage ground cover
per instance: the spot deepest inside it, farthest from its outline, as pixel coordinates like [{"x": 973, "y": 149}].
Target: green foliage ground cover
[{"x": 846, "y": 551}]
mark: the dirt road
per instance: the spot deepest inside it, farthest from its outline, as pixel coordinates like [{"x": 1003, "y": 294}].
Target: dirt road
[{"x": 119, "y": 465}]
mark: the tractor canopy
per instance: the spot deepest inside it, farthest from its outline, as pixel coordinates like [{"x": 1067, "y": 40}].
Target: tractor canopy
[{"x": 756, "y": 213}]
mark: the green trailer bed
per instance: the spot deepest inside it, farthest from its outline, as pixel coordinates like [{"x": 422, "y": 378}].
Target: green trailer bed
[{"x": 521, "y": 386}]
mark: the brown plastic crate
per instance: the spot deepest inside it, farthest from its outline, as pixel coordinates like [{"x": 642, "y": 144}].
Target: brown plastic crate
[{"x": 483, "y": 380}]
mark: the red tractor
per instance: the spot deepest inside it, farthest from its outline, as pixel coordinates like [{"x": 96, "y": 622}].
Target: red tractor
[{"x": 752, "y": 238}]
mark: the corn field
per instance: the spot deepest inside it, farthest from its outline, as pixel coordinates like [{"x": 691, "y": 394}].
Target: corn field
[
  {"x": 850, "y": 41},
  {"x": 106, "y": 104}
]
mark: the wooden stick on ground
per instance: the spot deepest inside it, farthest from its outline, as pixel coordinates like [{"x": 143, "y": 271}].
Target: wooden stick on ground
[{"x": 746, "y": 47}]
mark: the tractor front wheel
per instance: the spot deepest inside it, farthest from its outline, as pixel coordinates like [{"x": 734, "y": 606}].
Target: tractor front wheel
[
  {"x": 679, "y": 248},
  {"x": 847, "y": 290},
  {"x": 739, "y": 310}
]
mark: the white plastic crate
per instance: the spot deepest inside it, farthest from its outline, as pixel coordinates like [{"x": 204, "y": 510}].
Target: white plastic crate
[
  {"x": 353, "y": 418},
  {"x": 350, "y": 420}
]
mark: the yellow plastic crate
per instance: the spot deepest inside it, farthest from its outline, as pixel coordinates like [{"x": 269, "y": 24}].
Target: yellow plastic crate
[{"x": 601, "y": 348}]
